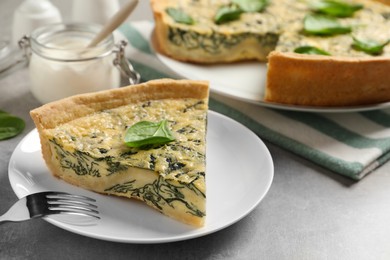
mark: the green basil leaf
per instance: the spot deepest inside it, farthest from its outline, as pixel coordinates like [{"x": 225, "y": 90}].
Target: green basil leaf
[
  {"x": 311, "y": 50},
  {"x": 335, "y": 8},
  {"x": 369, "y": 46},
  {"x": 10, "y": 126},
  {"x": 323, "y": 25},
  {"x": 179, "y": 16},
  {"x": 148, "y": 133},
  {"x": 227, "y": 13},
  {"x": 251, "y": 5}
]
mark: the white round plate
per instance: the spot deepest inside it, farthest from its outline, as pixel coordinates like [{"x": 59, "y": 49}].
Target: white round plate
[
  {"x": 246, "y": 81},
  {"x": 231, "y": 149}
]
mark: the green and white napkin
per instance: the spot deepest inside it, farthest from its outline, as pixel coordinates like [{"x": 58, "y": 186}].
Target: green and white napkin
[{"x": 351, "y": 144}]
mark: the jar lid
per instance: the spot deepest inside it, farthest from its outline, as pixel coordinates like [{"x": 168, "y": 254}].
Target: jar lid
[{"x": 67, "y": 42}]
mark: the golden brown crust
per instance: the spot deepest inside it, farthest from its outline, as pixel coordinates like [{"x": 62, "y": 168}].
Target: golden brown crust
[
  {"x": 160, "y": 29},
  {"x": 387, "y": 2},
  {"x": 62, "y": 111},
  {"x": 316, "y": 80}
]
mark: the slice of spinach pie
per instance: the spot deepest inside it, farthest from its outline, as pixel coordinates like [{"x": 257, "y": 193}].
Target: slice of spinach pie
[{"x": 145, "y": 141}]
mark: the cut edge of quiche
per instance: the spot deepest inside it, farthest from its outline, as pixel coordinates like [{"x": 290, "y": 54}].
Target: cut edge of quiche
[
  {"x": 222, "y": 45},
  {"x": 68, "y": 130}
]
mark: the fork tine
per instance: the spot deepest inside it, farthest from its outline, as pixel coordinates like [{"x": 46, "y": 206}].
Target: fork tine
[
  {"x": 62, "y": 202},
  {"x": 71, "y": 207},
  {"x": 42, "y": 204},
  {"x": 66, "y": 203},
  {"x": 64, "y": 195},
  {"x": 75, "y": 213},
  {"x": 53, "y": 201}
]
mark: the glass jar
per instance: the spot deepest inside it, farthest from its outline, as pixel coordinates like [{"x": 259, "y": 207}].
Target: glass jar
[{"x": 61, "y": 65}]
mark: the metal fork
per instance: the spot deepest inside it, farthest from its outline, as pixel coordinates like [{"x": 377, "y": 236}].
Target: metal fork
[{"x": 43, "y": 204}]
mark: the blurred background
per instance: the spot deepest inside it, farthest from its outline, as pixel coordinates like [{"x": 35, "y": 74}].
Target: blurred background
[{"x": 8, "y": 7}]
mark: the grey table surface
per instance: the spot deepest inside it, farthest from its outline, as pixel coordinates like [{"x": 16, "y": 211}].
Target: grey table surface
[{"x": 309, "y": 212}]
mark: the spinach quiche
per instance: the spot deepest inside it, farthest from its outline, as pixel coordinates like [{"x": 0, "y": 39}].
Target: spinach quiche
[
  {"x": 319, "y": 52},
  {"x": 115, "y": 142}
]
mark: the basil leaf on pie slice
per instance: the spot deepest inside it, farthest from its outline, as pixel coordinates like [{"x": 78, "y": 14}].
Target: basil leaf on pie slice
[
  {"x": 179, "y": 16},
  {"x": 323, "y": 25},
  {"x": 251, "y": 5},
  {"x": 148, "y": 133},
  {"x": 311, "y": 50},
  {"x": 335, "y": 8},
  {"x": 369, "y": 46},
  {"x": 227, "y": 13}
]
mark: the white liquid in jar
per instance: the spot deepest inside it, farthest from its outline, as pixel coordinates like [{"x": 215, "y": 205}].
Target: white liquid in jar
[{"x": 52, "y": 80}]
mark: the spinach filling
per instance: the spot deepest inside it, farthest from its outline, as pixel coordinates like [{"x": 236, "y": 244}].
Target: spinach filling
[
  {"x": 159, "y": 193},
  {"x": 215, "y": 42}
]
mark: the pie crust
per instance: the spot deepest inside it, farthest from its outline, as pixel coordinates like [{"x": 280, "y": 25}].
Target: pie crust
[
  {"x": 309, "y": 80},
  {"x": 58, "y": 113}
]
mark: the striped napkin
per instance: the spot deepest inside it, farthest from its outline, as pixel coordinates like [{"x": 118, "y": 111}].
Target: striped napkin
[{"x": 351, "y": 144}]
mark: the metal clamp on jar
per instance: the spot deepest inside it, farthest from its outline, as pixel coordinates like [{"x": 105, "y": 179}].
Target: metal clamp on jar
[{"x": 60, "y": 65}]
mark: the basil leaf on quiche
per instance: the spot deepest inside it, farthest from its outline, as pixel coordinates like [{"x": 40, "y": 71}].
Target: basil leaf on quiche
[
  {"x": 323, "y": 25},
  {"x": 227, "y": 13},
  {"x": 311, "y": 50},
  {"x": 251, "y": 5},
  {"x": 335, "y": 8},
  {"x": 179, "y": 16},
  {"x": 10, "y": 125},
  {"x": 148, "y": 133},
  {"x": 369, "y": 46}
]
